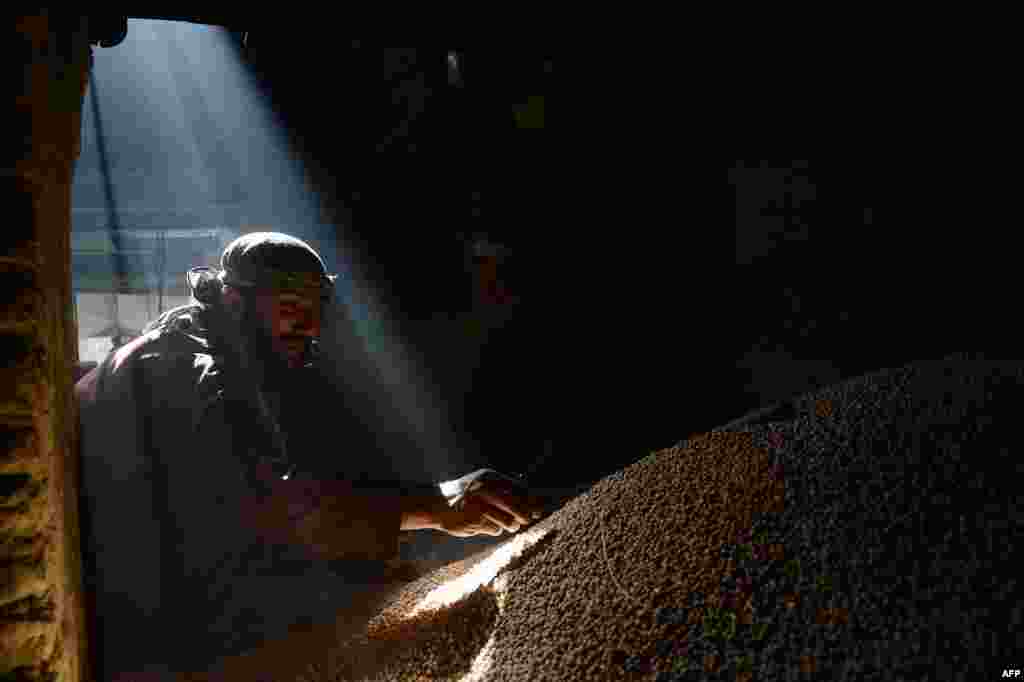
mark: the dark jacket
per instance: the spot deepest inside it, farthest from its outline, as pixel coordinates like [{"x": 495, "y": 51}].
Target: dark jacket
[{"x": 180, "y": 506}]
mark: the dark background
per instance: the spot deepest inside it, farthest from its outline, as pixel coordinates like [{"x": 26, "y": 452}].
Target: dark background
[{"x": 671, "y": 277}]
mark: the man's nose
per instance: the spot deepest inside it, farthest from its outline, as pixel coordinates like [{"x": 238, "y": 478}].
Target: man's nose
[
  {"x": 305, "y": 326},
  {"x": 303, "y": 323}
]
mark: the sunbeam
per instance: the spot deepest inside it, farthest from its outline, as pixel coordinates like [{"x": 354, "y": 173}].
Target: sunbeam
[{"x": 182, "y": 135}]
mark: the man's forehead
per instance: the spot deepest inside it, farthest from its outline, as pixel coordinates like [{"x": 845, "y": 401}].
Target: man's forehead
[{"x": 300, "y": 296}]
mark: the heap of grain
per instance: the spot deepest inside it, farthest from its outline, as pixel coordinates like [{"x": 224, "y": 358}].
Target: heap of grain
[
  {"x": 583, "y": 595},
  {"x": 575, "y": 594}
]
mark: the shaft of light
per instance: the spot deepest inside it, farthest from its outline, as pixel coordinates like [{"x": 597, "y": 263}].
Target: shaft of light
[{"x": 185, "y": 124}]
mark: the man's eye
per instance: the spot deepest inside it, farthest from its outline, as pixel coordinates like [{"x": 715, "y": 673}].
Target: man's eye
[{"x": 295, "y": 308}]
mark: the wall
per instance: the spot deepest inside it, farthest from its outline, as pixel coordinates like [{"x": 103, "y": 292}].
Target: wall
[{"x": 41, "y": 624}]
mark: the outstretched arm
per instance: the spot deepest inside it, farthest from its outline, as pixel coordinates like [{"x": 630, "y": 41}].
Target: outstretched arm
[{"x": 337, "y": 520}]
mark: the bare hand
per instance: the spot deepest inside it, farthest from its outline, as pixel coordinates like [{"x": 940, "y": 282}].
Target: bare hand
[{"x": 490, "y": 510}]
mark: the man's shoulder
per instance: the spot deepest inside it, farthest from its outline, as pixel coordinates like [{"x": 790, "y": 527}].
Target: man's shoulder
[
  {"x": 170, "y": 346},
  {"x": 191, "y": 318}
]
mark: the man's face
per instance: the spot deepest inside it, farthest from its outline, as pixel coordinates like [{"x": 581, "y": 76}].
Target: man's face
[{"x": 290, "y": 318}]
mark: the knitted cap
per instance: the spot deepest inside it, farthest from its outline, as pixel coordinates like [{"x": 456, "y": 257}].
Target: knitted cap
[{"x": 275, "y": 261}]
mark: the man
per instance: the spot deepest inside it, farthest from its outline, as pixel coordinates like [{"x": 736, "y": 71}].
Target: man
[{"x": 215, "y": 506}]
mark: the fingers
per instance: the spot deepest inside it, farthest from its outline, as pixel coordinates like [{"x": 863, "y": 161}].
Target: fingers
[
  {"x": 514, "y": 516},
  {"x": 501, "y": 524}
]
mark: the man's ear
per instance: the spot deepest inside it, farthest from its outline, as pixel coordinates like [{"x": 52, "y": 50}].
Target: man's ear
[
  {"x": 232, "y": 301},
  {"x": 230, "y": 295}
]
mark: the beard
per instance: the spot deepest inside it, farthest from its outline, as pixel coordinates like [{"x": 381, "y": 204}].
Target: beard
[{"x": 270, "y": 366}]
